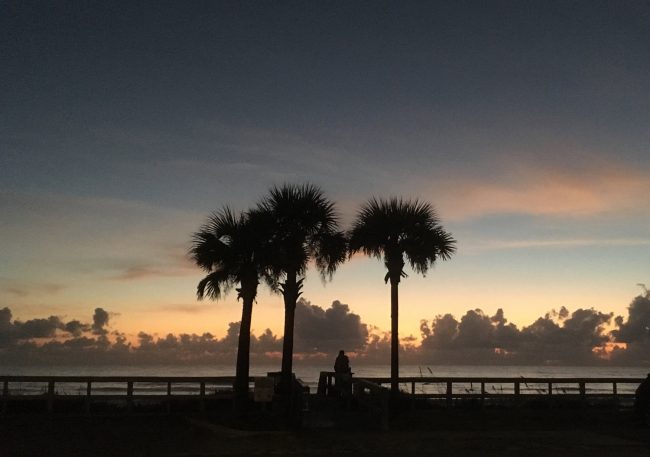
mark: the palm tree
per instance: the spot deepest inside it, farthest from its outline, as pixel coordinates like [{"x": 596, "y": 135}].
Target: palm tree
[
  {"x": 390, "y": 230},
  {"x": 304, "y": 228},
  {"x": 231, "y": 249}
]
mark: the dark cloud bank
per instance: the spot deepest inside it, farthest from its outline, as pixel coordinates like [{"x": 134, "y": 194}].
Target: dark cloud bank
[{"x": 581, "y": 337}]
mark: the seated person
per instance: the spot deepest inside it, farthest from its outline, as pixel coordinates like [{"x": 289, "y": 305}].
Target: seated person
[
  {"x": 343, "y": 373},
  {"x": 342, "y": 363}
]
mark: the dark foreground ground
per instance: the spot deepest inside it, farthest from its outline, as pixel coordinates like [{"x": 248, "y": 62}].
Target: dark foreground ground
[{"x": 458, "y": 432}]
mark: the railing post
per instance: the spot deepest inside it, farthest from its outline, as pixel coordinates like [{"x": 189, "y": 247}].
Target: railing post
[
  {"x": 583, "y": 391},
  {"x": 50, "y": 396},
  {"x": 168, "y": 405},
  {"x": 129, "y": 395},
  {"x": 550, "y": 388},
  {"x": 482, "y": 393},
  {"x": 322, "y": 384},
  {"x": 87, "y": 399},
  {"x": 412, "y": 394},
  {"x": 5, "y": 395},
  {"x": 449, "y": 393},
  {"x": 517, "y": 391},
  {"x": 202, "y": 393}
]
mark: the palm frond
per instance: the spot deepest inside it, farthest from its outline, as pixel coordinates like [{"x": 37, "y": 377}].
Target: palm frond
[
  {"x": 214, "y": 285},
  {"x": 207, "y": 249},
  {"x": 330, "y": 253},
  {"x": 304, "y": 226},
  {"x": 232, "y": 248},
  {"x": 394, "y": 228}
]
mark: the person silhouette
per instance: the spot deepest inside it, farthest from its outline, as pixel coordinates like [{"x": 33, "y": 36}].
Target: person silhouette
[
  {"x": 642, "y": 398},
  {"x": 342, "y": 363},
  {"x": 343, "y": 373}
]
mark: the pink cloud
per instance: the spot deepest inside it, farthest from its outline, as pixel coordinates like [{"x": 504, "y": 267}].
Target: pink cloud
[{"x": 545, "y": 192}]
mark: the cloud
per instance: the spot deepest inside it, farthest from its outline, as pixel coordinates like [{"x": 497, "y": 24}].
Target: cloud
[
  {"x": 144, "y": 272},
  {"x": 24, "y": 288},
  {"x": 76, "y": 328},
  {"x": 377, "y": 350},
  {"x": 567, "y": 340},
  {"x": 636, "y": 328},
  {"x": 266, "y": 343},
  {"x": 559, "y": 337},
  {"x": 6, "y": 327},
  {"x": 5, "y": 318},
  {"x": 559, "y": 243},
  {"x": 328, "y": 330},
  {"x": 475, "y": 330},
  {"x": 15, "y": 291},
  {"x": 191, "y": 308},
  {"x": 546, "y": 192},
  {"x": 231, "y": 339},
  {"x": 441, "y": 334},
  {"x": 173, "y": 263},
  {"x": 39, "y": 328},
  {"x": 100, "y": 320}
]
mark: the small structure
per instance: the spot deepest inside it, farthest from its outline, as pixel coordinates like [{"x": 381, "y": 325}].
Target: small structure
[{"x": 264, "y": 387}]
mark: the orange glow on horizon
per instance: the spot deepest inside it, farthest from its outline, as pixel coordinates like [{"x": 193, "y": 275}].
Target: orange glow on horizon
[{"x": 605, "y": 351}]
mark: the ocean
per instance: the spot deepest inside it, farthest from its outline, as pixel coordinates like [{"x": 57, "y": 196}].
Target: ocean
[{"x": 310, "y": 373}]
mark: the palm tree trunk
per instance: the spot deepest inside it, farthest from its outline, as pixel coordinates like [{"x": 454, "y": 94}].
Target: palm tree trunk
[
  {"x": 394, "y": 337},
  {"x": 243, "y": 350},
  {"x": 290, "y": 292}
]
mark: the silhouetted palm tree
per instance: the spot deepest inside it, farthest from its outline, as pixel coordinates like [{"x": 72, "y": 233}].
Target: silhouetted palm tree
[
  {"x": 232, "y": 249},
  {"x": 392, "y": 230},
  {"x": 305, "y": 227}
]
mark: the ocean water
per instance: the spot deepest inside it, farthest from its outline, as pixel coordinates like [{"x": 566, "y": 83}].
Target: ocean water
[{"x": 310, "y": 374}]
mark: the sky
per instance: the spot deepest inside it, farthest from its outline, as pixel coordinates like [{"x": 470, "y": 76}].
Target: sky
[{"x": 124, "y": 124}]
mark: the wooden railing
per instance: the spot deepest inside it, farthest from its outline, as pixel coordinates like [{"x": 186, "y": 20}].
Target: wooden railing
[
  {"x": 128, "y": 389},
  {"x": 111, "y": 388},
  {"x": 450, "y": 388},
  {"x": 175, "y": 388}
]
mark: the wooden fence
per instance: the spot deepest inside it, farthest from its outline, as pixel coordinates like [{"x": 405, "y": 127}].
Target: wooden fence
[
  {"x": 450, "y": 388},
  {"x": 169, "y": 389},
  {"x": 127, "y": 389}
]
